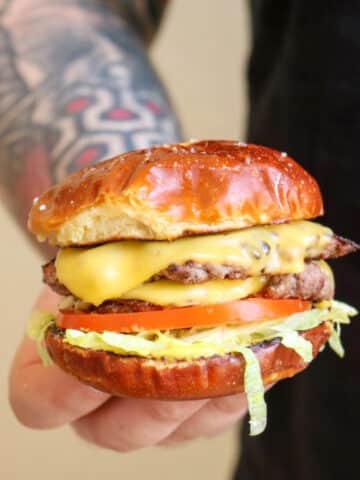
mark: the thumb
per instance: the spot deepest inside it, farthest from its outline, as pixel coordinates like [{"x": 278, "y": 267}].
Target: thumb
[{"x": 46, "y": 397}]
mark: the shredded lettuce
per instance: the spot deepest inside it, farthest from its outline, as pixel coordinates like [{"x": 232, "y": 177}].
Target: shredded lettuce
[
  {"x": 120, "y": 342},
  {"x": 335, "y": 341},
  {"x": 296, "y": 342},
  {"x": 39, "y": 322},
  {"x": 347, "y": 310},
  {"x": 254, "y": 388}
]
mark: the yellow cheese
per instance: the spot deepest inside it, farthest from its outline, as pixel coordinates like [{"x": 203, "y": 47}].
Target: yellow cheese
[
  {"x": 109, "y": 271},
  {"x": 325, "y": 268},
  {"x": 167, "y": 292}
]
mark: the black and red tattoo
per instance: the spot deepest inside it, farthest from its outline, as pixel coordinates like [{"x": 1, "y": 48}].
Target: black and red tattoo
[{"x": 76, "y": 86}]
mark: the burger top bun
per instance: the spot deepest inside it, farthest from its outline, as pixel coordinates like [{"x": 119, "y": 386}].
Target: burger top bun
[{"x": 171, "y": 191}]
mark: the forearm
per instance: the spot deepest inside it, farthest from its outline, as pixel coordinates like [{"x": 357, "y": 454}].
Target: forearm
[{"x": 76, "y": 86}]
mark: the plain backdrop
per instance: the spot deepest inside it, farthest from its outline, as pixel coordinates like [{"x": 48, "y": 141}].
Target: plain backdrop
[{"x": 201, "y": 56}]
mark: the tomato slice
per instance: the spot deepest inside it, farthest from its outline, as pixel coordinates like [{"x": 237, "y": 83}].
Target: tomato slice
[{"x": 233, "y": 313}]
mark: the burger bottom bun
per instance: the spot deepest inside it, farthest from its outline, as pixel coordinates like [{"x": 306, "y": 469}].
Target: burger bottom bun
[{"x": 178, "y": 379}]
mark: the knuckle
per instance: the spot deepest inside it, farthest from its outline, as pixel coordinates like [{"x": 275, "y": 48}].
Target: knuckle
[
  {"x": 122, "y": 444},
  {"x": 166, "y": 412},
  {"x": 234, "y": 406},
  {"x": 91, "y": 433}
]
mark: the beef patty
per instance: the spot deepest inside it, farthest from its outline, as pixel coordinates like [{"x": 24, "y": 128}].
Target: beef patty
[{"x": 312, "y": 284}]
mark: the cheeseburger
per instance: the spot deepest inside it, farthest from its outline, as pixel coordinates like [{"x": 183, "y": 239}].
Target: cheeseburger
[{"x": 189, "y": 271}]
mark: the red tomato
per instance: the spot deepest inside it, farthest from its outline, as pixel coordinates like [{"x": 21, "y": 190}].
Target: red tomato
[{"x": 229, "y": 313}]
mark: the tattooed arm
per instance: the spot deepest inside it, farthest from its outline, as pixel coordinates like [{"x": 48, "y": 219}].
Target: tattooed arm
[{"x": 76, "y": 86}]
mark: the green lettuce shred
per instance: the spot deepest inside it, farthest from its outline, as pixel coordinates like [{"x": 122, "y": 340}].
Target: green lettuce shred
[
  {"x": 335, "y": 341},
  {"x": 254, "y": 389},
  {"x": 341, "y": 315},
  {"x": 39, "y": 322},
  {"x": 296, "y": 342},
  {"x": 347, "y": 310},
  {"x": 120, "y": 342}
]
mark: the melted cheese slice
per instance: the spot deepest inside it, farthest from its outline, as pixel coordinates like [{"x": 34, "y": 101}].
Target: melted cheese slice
[
  {"x": 167, "y": 292},
  {"x": 109, "y": 271}
]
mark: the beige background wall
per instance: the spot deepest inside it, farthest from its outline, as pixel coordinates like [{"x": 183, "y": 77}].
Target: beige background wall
[{"x": 200, "y": 54}]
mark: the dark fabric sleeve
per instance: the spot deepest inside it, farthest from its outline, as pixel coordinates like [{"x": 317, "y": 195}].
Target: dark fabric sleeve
[{"x": 304, "y": 86}]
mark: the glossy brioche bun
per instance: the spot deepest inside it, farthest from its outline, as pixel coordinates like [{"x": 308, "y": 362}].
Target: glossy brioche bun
[
  {"x": 178, "y": 380},
  {"x": 171, "y": 191}
]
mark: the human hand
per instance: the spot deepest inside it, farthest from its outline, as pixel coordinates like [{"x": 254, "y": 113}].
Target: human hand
[{"x": 47, "y": 397}]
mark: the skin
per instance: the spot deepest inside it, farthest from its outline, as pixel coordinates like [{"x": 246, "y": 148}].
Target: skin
[
  {"x": 53, "y": 398},
  {"x": 78, "y": 88}
]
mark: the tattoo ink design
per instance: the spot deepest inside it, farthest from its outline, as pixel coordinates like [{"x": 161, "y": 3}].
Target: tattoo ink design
[{"x": 76, "y": 86}]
